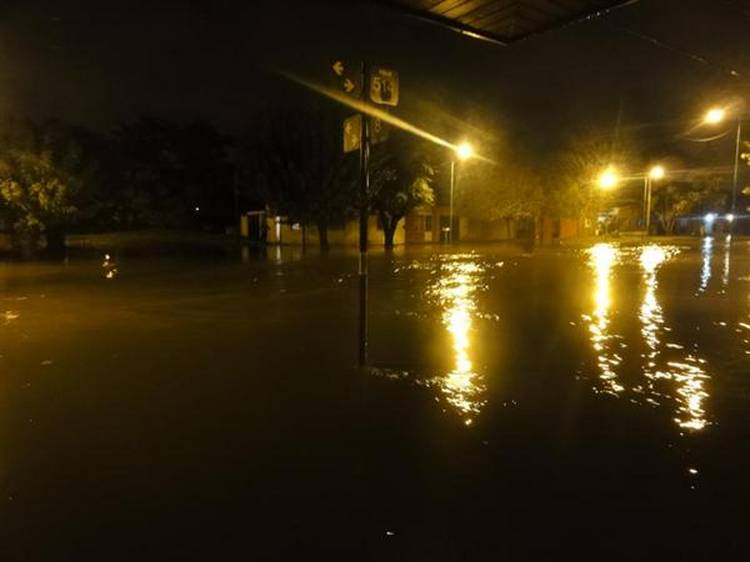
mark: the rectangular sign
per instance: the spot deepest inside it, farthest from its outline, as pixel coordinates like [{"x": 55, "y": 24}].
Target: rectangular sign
[
  {"x": 352, "y": 133},
  {"x": 384, "y": 86}
]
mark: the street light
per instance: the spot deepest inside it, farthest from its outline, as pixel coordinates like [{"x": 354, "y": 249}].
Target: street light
[
  {"x": 608, "y": 178},
  {"x": 714, "y": 116},
  {"x": 463, "y": 152},
  {"x": 655, "y": 173}
]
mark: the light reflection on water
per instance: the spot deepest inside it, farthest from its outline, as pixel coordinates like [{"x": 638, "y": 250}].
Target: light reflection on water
[
  {"x": 727, "y": 262},
  {"x": 670, "y": 374},
  {"x": 686, "y": 371},
  {"x": 707, "y": 252},
  {"x": 602, "y": 259},
  {"x": 455, "y": 291}
]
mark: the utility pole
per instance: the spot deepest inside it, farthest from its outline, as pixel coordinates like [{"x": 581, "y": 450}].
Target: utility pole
[
  {"x": 364, "y": 213},
  {"x": 450, "y": 213},
  {"x": 735, "y": 178},
  {"x": 648, "y": 205}
]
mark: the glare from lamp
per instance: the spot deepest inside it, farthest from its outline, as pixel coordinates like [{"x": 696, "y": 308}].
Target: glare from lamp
[
  {"x": 714, "y": 115},
  {"x": 464, "y": 151},
  {"x": 656, "y": 173},
  {"x": 608, "y": 179}
]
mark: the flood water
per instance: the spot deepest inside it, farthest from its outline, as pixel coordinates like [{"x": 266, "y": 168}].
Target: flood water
[{"x": 590, "y": 401}]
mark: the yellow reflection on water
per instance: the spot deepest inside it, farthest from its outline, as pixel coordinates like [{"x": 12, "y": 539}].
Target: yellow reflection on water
[
  {"x": 687, "y": 372},
  {"x": 602, "y": 259},
  {"x": 455, "y": 292},
  {"x": 727, "y": 262},
  {"x": 707, "y": 253},
  {"x": 650, "y": 313}
]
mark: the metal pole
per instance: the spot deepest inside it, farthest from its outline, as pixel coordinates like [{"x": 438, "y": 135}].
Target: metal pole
[
  {"x": 364, "y": 181},
  {"x": 648, "y": 205},
  {"x": 643, "y": 204},
  {"x": 453, "y": 181},
  {"x": 736, "y": 165}
]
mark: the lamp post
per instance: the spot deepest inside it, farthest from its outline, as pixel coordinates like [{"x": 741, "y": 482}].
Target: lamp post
[
  {"x": 463, "y": 151},
  {"x": 714, "y": 116},
  {"x": 655, "y": 173}
]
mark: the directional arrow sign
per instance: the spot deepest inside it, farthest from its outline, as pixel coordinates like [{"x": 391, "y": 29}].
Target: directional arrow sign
[
  {"x": 352, "y": 133},
  {"x": 384, "y": 86},
  {"x": 347, "y": 78}
]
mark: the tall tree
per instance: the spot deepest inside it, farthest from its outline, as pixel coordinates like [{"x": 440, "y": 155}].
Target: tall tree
[
  {"x": 697, "y": 193},
  {"x": 507, "y": 190},
  {"x": 35, "y": 196},
  {"x": 572, "y": 187},
  {"x": 49, "y": 179},
  {"x": 295, "y": 160},
  {"x": 401, "y": 180}
]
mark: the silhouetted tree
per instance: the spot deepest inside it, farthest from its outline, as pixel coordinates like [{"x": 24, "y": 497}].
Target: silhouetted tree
[
  {"x": 295, "y": 161},
  {"x": 400, "y": 181}
]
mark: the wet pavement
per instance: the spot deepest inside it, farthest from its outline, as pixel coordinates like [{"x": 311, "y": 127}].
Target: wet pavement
[{"x": 589, "y": 401}]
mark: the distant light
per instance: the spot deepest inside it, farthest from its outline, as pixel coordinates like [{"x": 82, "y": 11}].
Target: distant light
[
  {"x": 710, "y": 217},
  {"x": 197, "y": 209},
  {"x": 656, "y": 173},
  {"x": 464, "y": 151},
  {"x": 730, "y": 217},
  {"x": 608, "y": 179},
  {"x": 715, "y": 115}
]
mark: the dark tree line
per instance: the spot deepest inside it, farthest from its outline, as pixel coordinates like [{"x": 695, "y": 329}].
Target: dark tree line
[{"x": 57, "y": 178}]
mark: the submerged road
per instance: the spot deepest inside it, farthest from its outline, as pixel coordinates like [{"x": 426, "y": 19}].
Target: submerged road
[{"x": 590, "y": 400}]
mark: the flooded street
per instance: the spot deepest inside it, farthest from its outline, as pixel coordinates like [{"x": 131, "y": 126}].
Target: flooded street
[{"x": 592, "y": 399}]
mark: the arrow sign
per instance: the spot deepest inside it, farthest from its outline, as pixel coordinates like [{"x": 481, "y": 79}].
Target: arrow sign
[
  {"x": 352, "y": 133},
  {"x": 346, "y": 79}
]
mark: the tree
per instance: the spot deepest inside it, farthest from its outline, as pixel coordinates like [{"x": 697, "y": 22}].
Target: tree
[
  {"x": 295, "y": 161},
  {"x": 507, "y": 190},
  {"x": 572, "y": 188},
  {"x": 696, "y": 194},
  {"x": 400, "y": 180},
  {"x": 36, "y": 197},
  {"x": 172, "y": 174}
]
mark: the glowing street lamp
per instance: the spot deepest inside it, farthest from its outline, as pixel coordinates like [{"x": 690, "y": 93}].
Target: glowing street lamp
[
  {"x": 463, "y": 152},
  {"x": 608, "y": 178},
  {"x": 654, "y": 174},
  {"x": 714, "y": 116}
]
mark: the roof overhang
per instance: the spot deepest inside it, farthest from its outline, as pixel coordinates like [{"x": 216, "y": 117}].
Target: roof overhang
[{"x": 503, "y": 21}]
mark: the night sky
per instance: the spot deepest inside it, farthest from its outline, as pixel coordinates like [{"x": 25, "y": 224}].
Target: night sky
[{"x": 100, "y": 63}]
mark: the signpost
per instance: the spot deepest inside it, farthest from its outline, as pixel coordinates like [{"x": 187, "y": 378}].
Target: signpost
[
  {"x": 364, "y": 206},
  {"x": 359, "y": 132}
]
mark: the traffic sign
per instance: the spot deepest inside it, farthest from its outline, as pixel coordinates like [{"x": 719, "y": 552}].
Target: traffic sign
[
  {"x": 347, "y": 80},
  {"x": 384, "y": 86},
  {"x": 352, "y": 133}
]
